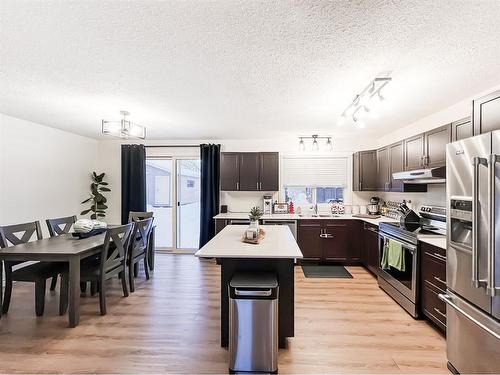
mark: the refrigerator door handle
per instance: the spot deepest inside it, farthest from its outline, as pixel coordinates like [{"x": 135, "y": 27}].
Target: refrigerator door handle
[
  {"x": 476, "y": 162},
  {"x": 491, "y": 288},
  {"x": 449, "y": 300}
]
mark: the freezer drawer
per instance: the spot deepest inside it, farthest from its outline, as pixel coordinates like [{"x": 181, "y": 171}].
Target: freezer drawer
[{"x": 472, "y": 337}]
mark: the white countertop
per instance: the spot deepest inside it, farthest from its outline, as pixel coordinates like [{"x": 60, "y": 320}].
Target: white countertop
[
  {"x": 278, "y": 243},
  {"x": 435, "y": 240},
  {"x": 244, "y": 216}
]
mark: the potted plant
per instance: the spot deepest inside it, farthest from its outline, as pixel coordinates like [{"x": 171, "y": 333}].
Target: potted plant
[
  {"x": 255, "y": 214},
  {"x": 97, "y": 200}
]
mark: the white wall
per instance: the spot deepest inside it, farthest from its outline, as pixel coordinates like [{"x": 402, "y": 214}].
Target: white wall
[{"x": 44, "y": 172}]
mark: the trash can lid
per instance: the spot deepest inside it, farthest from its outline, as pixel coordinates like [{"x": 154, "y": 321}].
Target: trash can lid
[{"x": 254, "y": 280}]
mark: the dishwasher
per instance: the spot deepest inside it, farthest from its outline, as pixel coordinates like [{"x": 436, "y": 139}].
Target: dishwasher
[{"x": 292, "y": 224}]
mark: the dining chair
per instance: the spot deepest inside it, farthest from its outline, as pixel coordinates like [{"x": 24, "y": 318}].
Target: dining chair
[
  {"x": 58, "y": 227},
  {"x": 37, "y": 273},
  {"x": 139, "y": 248},
  {"x": 139, "y": 215},
  {"x": 112, "y": 262}
]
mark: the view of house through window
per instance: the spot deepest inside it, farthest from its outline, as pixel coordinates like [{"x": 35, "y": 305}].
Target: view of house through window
[
  {"x": 301, "y": 195},
  {"x": 173, "y": 183}
]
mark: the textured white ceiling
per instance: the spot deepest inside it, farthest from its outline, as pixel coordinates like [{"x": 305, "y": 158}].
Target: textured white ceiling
[{"x": 240, "y": 69}]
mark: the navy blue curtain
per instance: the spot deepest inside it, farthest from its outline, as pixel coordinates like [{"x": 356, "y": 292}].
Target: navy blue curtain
[
  {"x": 133, "y": 180},
  {"x": 210, "y": 190}
]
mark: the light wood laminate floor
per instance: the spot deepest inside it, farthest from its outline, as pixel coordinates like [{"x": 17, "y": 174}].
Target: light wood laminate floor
[{"x": 171, "y": 324}]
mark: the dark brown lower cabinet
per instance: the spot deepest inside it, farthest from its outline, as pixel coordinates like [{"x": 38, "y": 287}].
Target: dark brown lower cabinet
[
  {"x": 433, "y": 282},
  {"x": 219, "y": 225},
  {"x": 330, "y": 240},
  {"x": 309, "y": 239},
  {"x": 370, "y": 247}
]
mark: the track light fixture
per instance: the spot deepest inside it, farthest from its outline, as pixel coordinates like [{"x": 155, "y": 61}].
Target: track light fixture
[
  {"x": 365, "y": 103},
  {"x": 315, "y": 144}
]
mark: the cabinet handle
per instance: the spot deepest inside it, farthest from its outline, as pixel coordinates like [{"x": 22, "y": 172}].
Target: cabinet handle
[
  {"x": 439, "y": 312},
  {"x": 257, "y": 186},
  {"x": 237, "y": 186},
  {"x": 438, "y": 279},
  {"x": 360, "y": 183},
  {"x": 436, "y": 255},
  {"x": 326, "y": 235}
]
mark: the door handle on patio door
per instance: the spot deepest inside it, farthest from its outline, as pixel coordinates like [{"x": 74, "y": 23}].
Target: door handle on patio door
[
  {"x": 491, "y": 288},
  {"x": 476, "y": 161}
]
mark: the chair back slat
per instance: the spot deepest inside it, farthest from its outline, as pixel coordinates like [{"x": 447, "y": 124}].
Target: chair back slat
[
  {"x": 140, "y": 237},
  {"x": 116, "y": 243},
  {"x": 60, "y": 226},
  {"x": 138, "y": 215},
  {"x": 19, "y": 233}
]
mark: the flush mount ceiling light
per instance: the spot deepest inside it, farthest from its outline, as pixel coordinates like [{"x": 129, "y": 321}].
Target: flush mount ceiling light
[
  {"x": 123, "y": 128},
  {"x": 367, "y": 103},
  {"x": 315, "y": 144}
]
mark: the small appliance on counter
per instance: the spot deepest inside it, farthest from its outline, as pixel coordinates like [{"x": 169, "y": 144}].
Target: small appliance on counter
[
  {"x": 280, "y": 208},
  {"x": 373, "y": 207},
  {"x": 267, "y": 205},
  {"x": 223, "y": 209}
]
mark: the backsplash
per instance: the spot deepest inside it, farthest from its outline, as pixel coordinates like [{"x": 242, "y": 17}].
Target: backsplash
[
  {"x": 243, "y": 201},
  {"x": 436, "y": 196}
]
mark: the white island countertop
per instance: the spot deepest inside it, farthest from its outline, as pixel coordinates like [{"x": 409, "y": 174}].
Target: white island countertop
[{"x": 278, "y": 243}]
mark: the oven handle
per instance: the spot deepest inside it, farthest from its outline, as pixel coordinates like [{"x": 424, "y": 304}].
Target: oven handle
[{"x": 411, "y": 248}]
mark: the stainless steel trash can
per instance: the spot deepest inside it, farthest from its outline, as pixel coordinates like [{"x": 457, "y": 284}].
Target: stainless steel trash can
[{"x": 253, "y": 322}]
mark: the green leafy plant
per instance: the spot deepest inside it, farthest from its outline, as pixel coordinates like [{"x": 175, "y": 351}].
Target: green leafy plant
[
  {"x": 97, "y": 200},
  {"x": 255, "y": 213}
]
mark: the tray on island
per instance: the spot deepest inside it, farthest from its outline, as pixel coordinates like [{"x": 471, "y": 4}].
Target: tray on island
[
  {"x": 93, "y": 232},
  {"x": 256, "y": 241}
]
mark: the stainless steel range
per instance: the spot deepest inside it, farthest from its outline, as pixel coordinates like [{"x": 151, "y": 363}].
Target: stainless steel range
[{"x": 402, "y": 283}]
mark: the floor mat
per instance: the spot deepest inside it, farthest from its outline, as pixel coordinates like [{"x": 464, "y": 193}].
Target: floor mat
[{"x": 314, "y": 270}]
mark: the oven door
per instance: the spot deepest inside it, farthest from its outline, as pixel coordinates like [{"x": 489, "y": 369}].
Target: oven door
[{"x": 406, "y": 282}]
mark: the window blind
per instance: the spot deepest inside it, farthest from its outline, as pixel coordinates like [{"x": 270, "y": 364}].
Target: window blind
[{"x": 314, "y": 171}]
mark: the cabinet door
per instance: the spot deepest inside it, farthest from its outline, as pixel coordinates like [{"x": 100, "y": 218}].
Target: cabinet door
[
  {"x": 435, "y": 146},
  {"x": 220, "y": 224},
  {"x": 486, "y": 113},
  {"x": 461, "y": 129},
  {"x": 396, "y": 164},
  {"x": 337, "y": 246},
  {"x": 368, "y": 170},
  {"x": 383, "y": 169},
  {"x": 414, "y": 151},
  {"x": 309, "y": 240},
  {"x": 249, "y": 171},
  {"x": 371, "y": 245},
  {"x": 356, "y": 182},
  {"x": 229, "y": 171},
  {"x": 269, "y": 171}
]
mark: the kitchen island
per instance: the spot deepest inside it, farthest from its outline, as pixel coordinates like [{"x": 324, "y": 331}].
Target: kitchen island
[{"x": 276, "y": 253}]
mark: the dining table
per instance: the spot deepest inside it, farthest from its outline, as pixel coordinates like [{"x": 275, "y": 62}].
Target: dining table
[{"x": 64, "y": 248}]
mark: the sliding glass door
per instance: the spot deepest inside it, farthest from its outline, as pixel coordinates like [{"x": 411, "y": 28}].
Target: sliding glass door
[
  {"x": 188, "y": 203},
  {"x": 174, "y": 183}
]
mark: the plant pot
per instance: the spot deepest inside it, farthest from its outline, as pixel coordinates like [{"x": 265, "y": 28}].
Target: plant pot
[{"x": 254, "y": 224}]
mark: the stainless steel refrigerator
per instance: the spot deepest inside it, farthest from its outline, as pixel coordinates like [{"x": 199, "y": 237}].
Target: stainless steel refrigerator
[{"x": 473, "y": 254}]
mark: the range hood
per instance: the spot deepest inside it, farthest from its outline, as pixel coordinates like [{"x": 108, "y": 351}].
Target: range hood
[{"x": 422, "y": 176}]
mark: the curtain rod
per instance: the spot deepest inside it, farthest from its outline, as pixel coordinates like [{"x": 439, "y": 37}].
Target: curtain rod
[{"x": 162, "y": 146}]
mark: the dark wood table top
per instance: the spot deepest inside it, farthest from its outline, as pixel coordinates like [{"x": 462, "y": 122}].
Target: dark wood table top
[{"x": 65, "y": 245}]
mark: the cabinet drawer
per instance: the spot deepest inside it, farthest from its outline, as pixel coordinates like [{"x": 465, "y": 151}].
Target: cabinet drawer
[
  {"x": 433, "y": 308},
  {"x": 434, "y": 272},
  {"x": 434, "y": 251}
]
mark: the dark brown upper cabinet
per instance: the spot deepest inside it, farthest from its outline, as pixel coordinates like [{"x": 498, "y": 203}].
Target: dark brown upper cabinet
[
  {"x": 396, "y": 164},
  {"x": 249, "y": 171},
  {"x": 461, "y": 129},
  {"x": 269, "y": 171},
  {"x": 364, "y": 171},
  {"x": 229, "y": 171},
  {"x": 383, "y": 178},
  {"x": 486, "y": 113},
  {"x": 414, "y": 152},
  {"x": 435, "y": 146}
]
